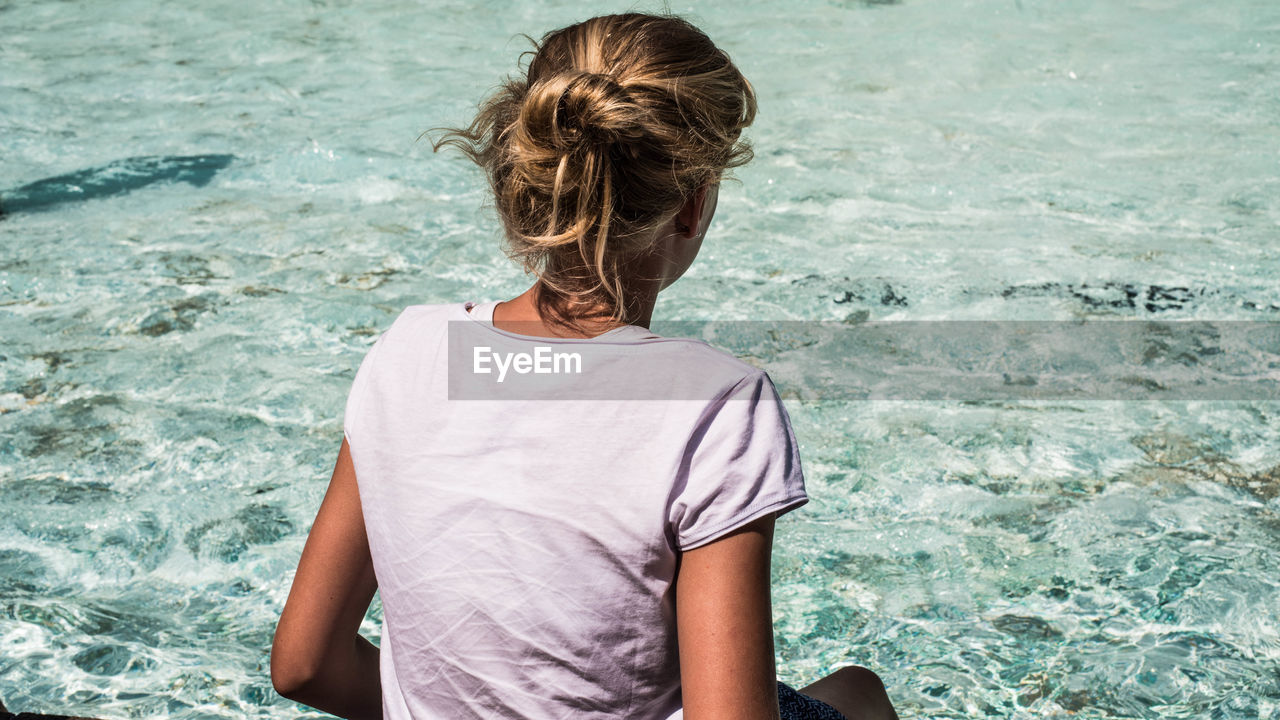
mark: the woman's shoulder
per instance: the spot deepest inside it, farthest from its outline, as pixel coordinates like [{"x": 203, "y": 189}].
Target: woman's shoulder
[
  {"x": 415, "y": 327},
  {"x": 692, "y": 369},
  {"x": 431, "y": 312},
  {"x": 415, "y": 321},
  {"x": 700, "y": 353}
]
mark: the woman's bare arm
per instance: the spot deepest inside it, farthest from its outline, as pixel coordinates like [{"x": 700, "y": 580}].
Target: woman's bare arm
[
  {"x": 725, "y": 623},
  {"x": 317, "y": 657}
]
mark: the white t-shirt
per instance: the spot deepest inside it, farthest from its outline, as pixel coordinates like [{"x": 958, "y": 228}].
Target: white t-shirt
[{"x": 525, "y": 532}]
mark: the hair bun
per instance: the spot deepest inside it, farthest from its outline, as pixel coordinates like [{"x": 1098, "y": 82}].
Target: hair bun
[
  {"x": 575, "y": 109},
  {"x": 595, "y": 146}
]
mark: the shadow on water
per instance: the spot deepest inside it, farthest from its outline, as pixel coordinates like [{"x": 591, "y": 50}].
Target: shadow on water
[
  {"x": 117, "y": 178},
  {"x": 36, "y": 716}
]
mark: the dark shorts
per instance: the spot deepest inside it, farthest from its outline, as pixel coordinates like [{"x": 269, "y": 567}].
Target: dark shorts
[{"x": 795, "y": 706}]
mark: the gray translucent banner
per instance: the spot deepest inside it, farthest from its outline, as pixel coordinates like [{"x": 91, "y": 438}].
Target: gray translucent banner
[{"x": 899, "y": 360}]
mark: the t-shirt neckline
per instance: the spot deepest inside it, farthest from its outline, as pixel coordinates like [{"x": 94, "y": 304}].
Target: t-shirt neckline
[{"x": 483, "y": 313}]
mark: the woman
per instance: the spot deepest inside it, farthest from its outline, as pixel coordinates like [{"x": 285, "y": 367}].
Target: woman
[{"x": 589, "y": 545}]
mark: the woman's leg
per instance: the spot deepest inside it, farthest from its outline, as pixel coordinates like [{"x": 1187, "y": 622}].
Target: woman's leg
[{"x": 856, "y": 692}]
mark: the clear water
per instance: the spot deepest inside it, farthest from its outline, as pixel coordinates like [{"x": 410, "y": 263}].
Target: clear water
[{"x": 175, "y": 358}]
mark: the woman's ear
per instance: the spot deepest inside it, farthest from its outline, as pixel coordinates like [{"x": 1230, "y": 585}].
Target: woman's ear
[{"x": 690, "y": 215}]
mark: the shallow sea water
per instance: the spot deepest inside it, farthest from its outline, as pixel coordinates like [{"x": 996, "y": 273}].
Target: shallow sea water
[{"x": 175, "y": 359}]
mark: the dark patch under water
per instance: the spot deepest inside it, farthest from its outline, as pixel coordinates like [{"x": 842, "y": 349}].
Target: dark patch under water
[
  {"x": 1127, "y": 296},
  {"x": 117, "y": 178},
  {"x": 1135, "y": 297},
  {"x": 226, "y": 539}
]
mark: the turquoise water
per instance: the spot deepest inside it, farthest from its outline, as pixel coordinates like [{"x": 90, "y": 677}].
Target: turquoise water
[{"x": 177, "y": 347}]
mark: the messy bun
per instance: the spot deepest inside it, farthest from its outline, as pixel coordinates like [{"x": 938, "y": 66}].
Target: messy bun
[
  {"x": 581, "y": 109},
  {"x": 616, "y": 123}
]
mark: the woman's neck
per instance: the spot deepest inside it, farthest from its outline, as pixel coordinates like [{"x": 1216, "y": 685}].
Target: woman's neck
[
  {"x": 521, "y": 315},
  {"x": 671, "y": 252}
]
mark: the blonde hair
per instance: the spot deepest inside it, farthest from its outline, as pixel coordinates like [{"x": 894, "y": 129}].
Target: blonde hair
[{"x": 615, "y": 125}]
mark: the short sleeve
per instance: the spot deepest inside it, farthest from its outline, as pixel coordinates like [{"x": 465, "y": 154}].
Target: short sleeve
[
  {"x": 359, "y": 391},
  {"x": 741, "y": 463}
]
